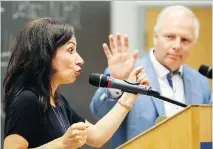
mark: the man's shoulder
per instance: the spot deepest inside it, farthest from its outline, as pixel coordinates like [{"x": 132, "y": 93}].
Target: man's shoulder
[
  {"x": 189, "y": 70},
  {"x": 193, "y": 73},
  {"x": 143, "y": 59}
]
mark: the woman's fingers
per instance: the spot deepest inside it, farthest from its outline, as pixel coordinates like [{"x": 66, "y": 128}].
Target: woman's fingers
[{"x": 142, "y": 78}]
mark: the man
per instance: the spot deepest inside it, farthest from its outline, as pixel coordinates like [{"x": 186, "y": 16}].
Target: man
[{"x": 176, "y": 31}]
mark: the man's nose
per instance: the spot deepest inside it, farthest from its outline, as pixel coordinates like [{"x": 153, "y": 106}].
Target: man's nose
[{"x": 177, "y": 43}]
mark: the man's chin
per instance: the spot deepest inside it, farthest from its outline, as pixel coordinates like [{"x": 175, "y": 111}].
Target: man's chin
[{"x": 172, "y": 66}]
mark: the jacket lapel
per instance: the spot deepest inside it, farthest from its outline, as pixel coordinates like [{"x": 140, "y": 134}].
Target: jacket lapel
[
  {"x": 153, "y": 78},
  {"x": 187, "y": 81}
]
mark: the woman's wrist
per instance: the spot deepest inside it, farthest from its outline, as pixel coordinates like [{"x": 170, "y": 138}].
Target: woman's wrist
[
  {"x": 56, "y": 144},
  {"x": 127, "y": 100},
  {"x": 61, "y": 143},
  {"x": 125, "y": 105}
]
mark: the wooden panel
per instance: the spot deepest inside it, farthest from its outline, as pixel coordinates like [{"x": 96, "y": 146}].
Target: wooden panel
[
  {"x": 202, "y": 50},
  {"x": 186, "y": 129},
  {"x": 205, "y": 123}
]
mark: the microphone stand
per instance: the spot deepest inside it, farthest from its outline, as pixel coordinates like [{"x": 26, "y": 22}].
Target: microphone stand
[
  {"x": 157, "y": 94},
  {"x": 170, "y": 100},
  {"x": 154, "y": 93}
]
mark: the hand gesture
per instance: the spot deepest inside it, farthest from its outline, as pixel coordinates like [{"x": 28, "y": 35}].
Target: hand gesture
[
  {"x": 75, "y": 136},
  {"x": 120, "y": 61},
  {"x": 139, "y": 75}
]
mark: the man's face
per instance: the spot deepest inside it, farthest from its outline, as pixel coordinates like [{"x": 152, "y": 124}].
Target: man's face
[{"x": 174, "y": 41}]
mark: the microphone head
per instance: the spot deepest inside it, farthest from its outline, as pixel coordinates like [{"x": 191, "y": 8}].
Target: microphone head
[
  {"x": 98, "y": 80},
  {"x": 206, "y": 71}
]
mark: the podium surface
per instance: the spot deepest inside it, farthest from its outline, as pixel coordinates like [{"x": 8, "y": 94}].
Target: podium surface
[{"x": 185, "y": 130}]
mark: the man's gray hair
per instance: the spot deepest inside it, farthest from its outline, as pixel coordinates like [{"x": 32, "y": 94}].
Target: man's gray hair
[{"x": 170, "y": 8}]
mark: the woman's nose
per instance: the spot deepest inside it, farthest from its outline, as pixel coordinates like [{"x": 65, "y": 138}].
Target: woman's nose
[{"x": 79, "y": 60}]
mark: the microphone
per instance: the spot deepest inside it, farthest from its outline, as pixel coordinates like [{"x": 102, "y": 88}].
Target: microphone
[
  {"x": 206, "y": 71},
  {"x": 101, "y": 80}
]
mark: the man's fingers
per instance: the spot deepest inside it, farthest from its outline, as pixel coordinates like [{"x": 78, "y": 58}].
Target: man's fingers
[
  {"x": 126, "y": 44},
  {"x": 107, "y": 51},
  {"x": 119, "y": 43},
  {"x": 135, "y": 54},
  {"x": 112, "y": 44}
]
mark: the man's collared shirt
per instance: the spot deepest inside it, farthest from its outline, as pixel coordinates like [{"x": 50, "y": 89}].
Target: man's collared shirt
[{"x": 175, "y": 93}]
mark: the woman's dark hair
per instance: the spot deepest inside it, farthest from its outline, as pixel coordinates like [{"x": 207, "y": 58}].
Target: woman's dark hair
[{"x": 30, "y": 64}]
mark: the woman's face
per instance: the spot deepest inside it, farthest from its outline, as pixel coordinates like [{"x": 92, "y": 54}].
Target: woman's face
[{"x": 67, "y": 63}]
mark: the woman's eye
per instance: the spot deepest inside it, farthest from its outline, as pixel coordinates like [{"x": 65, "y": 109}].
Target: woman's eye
[{"x": 70, "y": 50}]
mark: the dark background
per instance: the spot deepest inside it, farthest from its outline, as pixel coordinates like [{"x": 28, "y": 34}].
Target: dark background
[{"x": 91, "y": 21}]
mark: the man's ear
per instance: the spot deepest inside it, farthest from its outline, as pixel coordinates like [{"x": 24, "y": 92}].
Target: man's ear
[{"x": 155, "y": 39}]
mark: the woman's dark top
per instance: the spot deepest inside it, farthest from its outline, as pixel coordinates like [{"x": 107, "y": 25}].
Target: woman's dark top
[{"x": 24, "y": 117}]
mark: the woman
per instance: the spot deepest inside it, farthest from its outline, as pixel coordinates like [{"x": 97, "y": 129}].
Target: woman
[{"x": 43, "y": 57}]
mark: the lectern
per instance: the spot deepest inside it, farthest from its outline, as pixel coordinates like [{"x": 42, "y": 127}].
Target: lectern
[{"x": 185, "y": 130}]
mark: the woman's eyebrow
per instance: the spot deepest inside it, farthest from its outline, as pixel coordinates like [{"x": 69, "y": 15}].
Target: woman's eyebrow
[{"x": 70, "y": 41}]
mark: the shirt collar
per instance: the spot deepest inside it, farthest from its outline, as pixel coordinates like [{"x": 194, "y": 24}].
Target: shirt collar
[{"x": 159, "y": 68}]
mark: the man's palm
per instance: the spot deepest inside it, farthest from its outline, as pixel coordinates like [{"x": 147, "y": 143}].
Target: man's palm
[
  {"x": 121, "y": 62},
  {"x": 121, "y": 65}
]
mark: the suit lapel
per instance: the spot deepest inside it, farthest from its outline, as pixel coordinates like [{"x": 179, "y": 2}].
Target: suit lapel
[
  {"x": 187, "y": 81},
  {"x": 149, "y": 69}
]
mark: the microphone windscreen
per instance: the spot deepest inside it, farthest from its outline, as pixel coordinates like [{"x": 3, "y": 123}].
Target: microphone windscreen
[
  {"x": 203, "y": 69},
  {"x": 206, "y": 71},
  {"x": 98, "y": 80}
]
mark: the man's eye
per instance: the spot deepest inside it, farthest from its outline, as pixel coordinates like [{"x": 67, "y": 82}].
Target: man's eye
[
  {"x": 185, "y": 40},
  {"x": 170, "y": 36}
]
